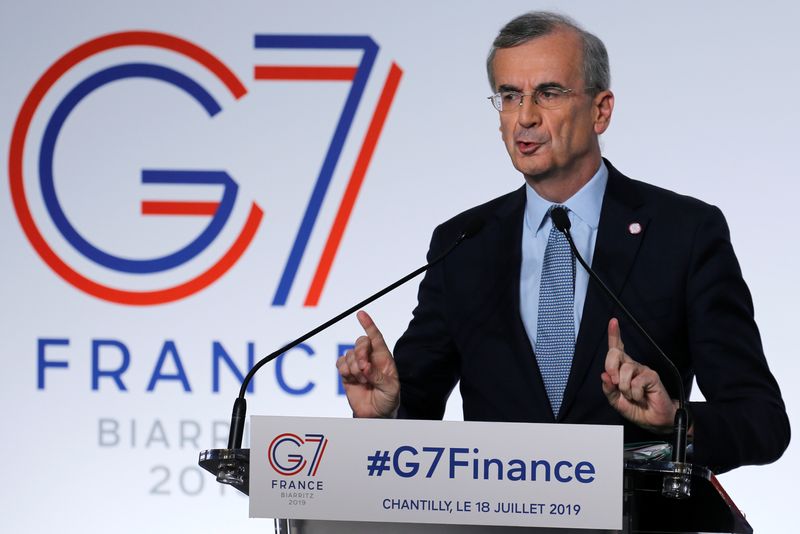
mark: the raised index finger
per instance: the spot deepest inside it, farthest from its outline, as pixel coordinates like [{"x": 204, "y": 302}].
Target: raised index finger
[
  {"x": 375, "y": 336},
  {"x": 614, "y": 335}
]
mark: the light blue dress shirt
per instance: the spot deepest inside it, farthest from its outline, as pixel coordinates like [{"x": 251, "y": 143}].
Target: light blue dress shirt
[{"x": 584, "y": 214}]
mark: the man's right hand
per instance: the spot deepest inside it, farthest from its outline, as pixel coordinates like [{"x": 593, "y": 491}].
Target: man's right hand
[{"x": 369, "y": 374}]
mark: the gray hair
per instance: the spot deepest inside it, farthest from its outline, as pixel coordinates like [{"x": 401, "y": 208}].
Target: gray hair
[{"x": 596, "y": 71}]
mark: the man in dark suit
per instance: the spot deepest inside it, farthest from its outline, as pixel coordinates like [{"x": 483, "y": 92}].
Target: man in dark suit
[{"x": 511, "y": 288}]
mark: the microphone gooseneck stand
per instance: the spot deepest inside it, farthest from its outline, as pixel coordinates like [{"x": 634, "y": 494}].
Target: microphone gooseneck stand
[
  {"x": 677, "y": 484},
  {"x": 230, "y": 465}
]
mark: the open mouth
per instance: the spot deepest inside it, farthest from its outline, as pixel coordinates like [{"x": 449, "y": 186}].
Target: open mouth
[{"x": 527, "y": 147}]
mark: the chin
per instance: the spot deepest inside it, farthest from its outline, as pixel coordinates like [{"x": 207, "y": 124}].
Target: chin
[{"x": 533, "y": 171}]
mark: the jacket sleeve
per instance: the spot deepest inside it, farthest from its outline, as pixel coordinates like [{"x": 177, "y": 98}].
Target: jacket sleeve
[
  {"x": 426, "y": 357},
  {"x": 743, "y": 420}
]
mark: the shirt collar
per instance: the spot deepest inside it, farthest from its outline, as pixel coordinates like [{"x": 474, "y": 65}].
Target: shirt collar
[{"x": 585, "y": 204}]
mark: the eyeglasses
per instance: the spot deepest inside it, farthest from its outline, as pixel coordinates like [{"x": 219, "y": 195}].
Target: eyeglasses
[{"x": 544, "y": 97}]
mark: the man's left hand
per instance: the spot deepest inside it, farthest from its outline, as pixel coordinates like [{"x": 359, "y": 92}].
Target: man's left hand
[{"x": 635, "y": 390}]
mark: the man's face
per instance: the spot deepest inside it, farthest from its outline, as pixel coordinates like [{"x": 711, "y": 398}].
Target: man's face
[{"x": 551, "y": 143}]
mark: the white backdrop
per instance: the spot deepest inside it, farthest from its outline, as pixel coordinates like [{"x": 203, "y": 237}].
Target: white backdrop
[{"x": 705, "y": 105}]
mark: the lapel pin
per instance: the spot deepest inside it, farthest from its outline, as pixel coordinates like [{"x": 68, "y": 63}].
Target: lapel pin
[{"x": 635, "y": 228}]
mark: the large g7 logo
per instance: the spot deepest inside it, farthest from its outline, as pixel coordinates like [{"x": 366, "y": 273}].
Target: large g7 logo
[{"x": 171, "y": 260}]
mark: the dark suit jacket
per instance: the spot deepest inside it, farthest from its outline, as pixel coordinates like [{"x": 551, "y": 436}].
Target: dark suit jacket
[{"x": 679, "y": 276}]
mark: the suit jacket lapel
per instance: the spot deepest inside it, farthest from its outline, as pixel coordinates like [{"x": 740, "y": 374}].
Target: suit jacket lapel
[
  {"x": 614, "y": 255},
  {"x": 509, "y": 221}
]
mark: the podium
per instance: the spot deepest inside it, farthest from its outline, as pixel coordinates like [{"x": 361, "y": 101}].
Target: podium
[
  {"x": 291, "y": 455},
  {"x": 708, "y": 509}
]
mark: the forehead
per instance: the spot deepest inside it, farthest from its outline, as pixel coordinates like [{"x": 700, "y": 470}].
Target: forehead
[{"x": 556, "y": 57}]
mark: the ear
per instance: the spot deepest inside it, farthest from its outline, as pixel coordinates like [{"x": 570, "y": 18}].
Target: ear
[{"x": 603, "y": 107}]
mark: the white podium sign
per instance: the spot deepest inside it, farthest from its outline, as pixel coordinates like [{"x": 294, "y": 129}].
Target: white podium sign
[{"x": 469, "y": 473}]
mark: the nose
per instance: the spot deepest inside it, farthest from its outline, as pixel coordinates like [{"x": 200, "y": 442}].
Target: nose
[{"x": 528, "y": 114}]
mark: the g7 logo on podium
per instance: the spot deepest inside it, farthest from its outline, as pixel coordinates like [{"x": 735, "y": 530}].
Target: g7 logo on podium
[
  {"x": 128, "y": 276},
  {"x": 289, "y": 454}
]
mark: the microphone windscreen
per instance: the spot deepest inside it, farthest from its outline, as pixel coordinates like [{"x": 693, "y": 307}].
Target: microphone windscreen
[
  {"x": 472, "y": 227},
  {"x": 560, "y": 219}
]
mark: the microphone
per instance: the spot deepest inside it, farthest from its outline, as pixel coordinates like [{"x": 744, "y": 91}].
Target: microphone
[
  {"x": 678, "y": 483},
  {"x": 226, "y": 464}
]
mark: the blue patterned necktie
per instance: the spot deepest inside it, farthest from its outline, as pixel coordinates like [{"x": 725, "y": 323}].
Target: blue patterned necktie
[{"x": 555, "y": 328}]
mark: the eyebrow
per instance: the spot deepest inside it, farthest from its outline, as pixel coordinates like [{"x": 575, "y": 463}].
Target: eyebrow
[
  {"x": 544, "y": 85},
  {"x": 507, "y": 87},
  {"x": 550, "y": 84}
]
